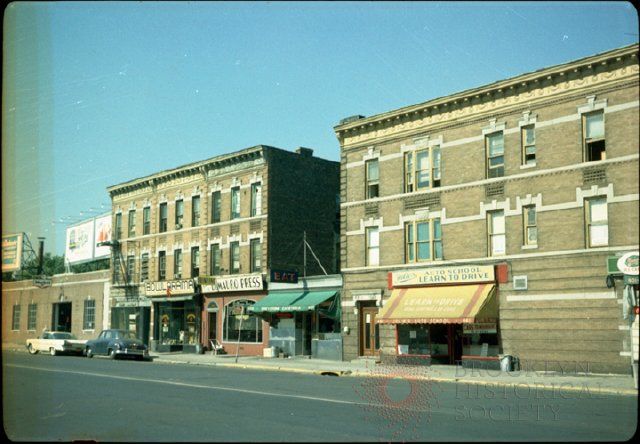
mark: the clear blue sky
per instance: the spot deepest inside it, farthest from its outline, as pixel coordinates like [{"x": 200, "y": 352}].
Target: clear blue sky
[{"x": 100, "y": 93}]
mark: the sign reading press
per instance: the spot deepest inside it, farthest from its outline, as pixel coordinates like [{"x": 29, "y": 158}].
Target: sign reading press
[
  {"x": 463, "y": 274},
  {"x": 240, "y": 282}
]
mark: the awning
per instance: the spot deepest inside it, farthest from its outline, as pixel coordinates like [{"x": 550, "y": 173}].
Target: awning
[
  {"x": 287, "y": 301},
  {"x": 437, "y": 305}
]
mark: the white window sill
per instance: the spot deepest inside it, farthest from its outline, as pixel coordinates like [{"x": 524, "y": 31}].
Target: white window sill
[
  {"x": 525, "y": 167},
  {"x": 529, "y": 247},
  {"x": 89, "y": 331}
]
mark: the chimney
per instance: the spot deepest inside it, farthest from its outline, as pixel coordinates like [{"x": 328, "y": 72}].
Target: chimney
[
  {"x": 41, "y": 256},
  {"x": 304, "y": 152}
]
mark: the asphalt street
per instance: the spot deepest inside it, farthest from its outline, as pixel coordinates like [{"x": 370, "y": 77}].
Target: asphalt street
[{"x": 67, "y": 398}]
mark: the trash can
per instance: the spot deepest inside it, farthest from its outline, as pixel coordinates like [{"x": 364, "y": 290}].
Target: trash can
[{"x": 505, "y": 363}]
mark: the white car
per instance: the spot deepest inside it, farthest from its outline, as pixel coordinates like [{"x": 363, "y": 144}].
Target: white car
[{"x": 56, "y": 342}]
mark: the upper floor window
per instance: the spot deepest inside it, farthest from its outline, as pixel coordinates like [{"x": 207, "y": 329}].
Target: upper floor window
[
  {"x": 144, "y": 267},
  {"x": 216, "y": 257},
  {"x": 528, "y": 134},
  {"x": 256, "y": 199},
  {"x": 530, "y": 225},
  {"x": 423, "y": 241},
  {"x": 235, "y": 202},
  {"x": 195, "y": 262},
  {"x": 179, "y": 213},
  {"x": 495, "y": 154},
  {"x": 146, "y": 220},
  {"x": 593, "y": 132},
  {"x": 373, "y": 246},
  {"x": 215, "y": 206},
  {"x": 132, "y": 223},
  {"x": 131, "y": 264},
  {"x": 195, "y": 211},
  {"x": 496, "y": 233},
  {"x": 118, "y": 226},
  {"x": 177, "y": 264},
  {"x": 234, "y": 257},
  {"x": 162, "y": 218},
  {"x": 256, "y": 255},
  {"x": 162, "y": 265},
  {"x": 597, "y": 225},
  {"x": 422, "y": 169},
  {"x": 372, "y": 178}
]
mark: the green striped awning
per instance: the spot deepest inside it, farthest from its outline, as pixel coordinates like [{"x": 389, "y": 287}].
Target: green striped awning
[{"x": 287, "y": 301}]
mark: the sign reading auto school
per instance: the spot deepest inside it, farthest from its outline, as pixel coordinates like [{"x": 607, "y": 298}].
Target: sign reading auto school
[
  {"x": 223, "y": 284},
  {"x": 169, "y": 288},
  {"x": 463, "y": 274}
]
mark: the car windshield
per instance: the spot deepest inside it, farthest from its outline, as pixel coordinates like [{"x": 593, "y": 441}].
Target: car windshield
[{"x": 62, "y": 336}]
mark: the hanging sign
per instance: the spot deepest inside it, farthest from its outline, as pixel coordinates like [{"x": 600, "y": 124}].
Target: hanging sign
[{"x": 629, "y": 263}]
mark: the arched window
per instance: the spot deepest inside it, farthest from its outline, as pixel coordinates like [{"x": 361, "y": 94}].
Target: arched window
[{"x": 237, "y": 322}]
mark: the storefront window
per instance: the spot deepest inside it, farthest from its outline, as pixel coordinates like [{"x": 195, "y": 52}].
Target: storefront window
[
  {"x": 238, "y": 324},
  {"x": 480, "y": 344},
  {"x": 413, "y": 339},
  {"x": 178, "y": 323}
]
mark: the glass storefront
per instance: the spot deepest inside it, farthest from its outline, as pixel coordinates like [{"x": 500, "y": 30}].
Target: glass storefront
[
  {"x": 239, "y": 324},
  {"x": 178, "y": 326}
]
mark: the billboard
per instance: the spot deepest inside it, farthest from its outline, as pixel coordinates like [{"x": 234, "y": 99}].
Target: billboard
[
  {"x": 103, "y": 234},
  {"x": 79, "y": 244},
  {"x": 11, "y": 252}
]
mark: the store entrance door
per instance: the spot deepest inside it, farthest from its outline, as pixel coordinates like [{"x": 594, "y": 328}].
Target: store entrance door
[
  {"x": 446, "y": 343},
  {"x": 61, "y": 317},
  {"x": 369, "y": 335}
]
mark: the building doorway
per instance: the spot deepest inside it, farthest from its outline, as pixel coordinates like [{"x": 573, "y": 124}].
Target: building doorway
[
  {"x": 61, "y": 317},
  {"x": 368, "y": 329},
  {"x": 446, "y": 343}
]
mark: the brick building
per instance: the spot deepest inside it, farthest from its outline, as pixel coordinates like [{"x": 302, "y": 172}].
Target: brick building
[
  {"x": 480, "y": 223},
  {"x": 195, "y": 244},
  {"x": 77, "y": 303}
]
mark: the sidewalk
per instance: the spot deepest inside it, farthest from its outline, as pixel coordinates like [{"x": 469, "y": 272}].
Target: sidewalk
[{"x": 523, "y": 381}]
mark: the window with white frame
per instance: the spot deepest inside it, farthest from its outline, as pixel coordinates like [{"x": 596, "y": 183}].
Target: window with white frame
[
  {"x": 496, "y": 233},
  {"x": 372, "y": 173},
  {"x": 528, "y": 135},
  {"x": 89, "y": 318},
  {"x": 495, "y": 154},
  {"x": 530, "y": 225},
  {"x": 372, "y": 235},
  {"x": 31, "y": 316},
  {"x": 118, "y": 226},
  {"x": 132, "y": 223},
  {"x": 422, "y": 169},
  {"x": 593, "y": 136},
  {"x": 195, "y": 211},
  {"x": 234, "y": 257},
  {"x": 256, "y": 199},
  {"x": 131, "y": 264},
  {"x": 146, "y": 220},
  {"x": 423, "y": 240},
  {"x": 241, "y": 325},
  {"x": 216, "y": 259},
  {"x": 144, "y": 267},
  {"x": 177, "y": 264},
  {"x": 195, "y": 262},
  {"x": 256, "y": 255},
  {"x": 597, "y": 226},
  {"x": 162, "y": 218},
  {"x": 235, "y": 202},
  {"x": 15, "y": 321},
  {"x": 179, "y": 214}
]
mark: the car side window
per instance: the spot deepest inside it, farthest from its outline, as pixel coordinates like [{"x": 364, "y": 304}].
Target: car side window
[
  {"x": 103, "y": 335},
  {"x": 45, "y": 336}
]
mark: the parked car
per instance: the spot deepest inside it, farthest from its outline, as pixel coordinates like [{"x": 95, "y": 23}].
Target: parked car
[
  {"x": 56, "y": 342},
  {"x": 115, "y": 343}
]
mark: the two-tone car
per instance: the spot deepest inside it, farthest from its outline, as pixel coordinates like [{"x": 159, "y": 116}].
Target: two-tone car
[
  {"x": 56, "y": 342},
  {"x": 115, "y": 343}
]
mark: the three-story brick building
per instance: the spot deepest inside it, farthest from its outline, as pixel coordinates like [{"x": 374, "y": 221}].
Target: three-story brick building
[
  {"x": 196, "y": 243},
  {"x": 480, "y": 223}
]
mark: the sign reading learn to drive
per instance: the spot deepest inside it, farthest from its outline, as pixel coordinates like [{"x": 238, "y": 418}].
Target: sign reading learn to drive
[{"x": 443, "y": 275}]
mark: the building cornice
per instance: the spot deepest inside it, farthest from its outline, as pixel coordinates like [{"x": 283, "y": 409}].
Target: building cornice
[{"x": 613, "y": 65}]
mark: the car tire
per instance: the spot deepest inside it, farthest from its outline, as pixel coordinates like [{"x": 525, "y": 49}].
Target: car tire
[
  {"x": 112, "y": 354},
  {"x": 32, "y": 350},
  {"x": 52, "y": 351},
  {"x": 89, "y": 352}
]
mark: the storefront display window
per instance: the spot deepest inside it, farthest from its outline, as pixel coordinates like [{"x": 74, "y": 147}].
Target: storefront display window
[
  {"x": 178, "y": 323},
  {"x": 413, "y": 339},
  {"x": 240, "y": 325},
  {"x": 480, "y": 344}
]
